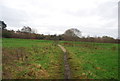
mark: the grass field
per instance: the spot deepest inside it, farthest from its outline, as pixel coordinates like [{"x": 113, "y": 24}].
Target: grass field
[
  {"x": 43, "y": 59},
  {"x": 93, "y": 60},
  {"x": 31, "y": 59}
]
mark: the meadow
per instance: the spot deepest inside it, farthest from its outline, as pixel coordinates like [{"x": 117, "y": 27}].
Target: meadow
[
  {"x": 92, "y": 60},
  {"x": 31, "y": 59},
  {"x": 43, "y": 59}
]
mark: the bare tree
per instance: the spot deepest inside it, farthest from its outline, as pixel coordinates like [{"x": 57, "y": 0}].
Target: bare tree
[
  {"x": 27, "y": 29},
  {"x": 72, "y": 33}
]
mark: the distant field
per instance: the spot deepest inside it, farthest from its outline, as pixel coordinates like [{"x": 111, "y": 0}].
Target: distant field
[
  {"x": 11, "y": 42},
  {"x": 92, "y": 60},
  {"x": 43, "y": 59},
  {"x": 31, "y": 59}
]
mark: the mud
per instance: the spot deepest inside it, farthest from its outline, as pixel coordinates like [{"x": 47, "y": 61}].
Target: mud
[{"x": 67, "y": 74}]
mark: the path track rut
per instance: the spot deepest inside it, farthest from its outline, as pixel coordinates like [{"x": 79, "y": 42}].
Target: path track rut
[{"x": 66, "y": 64}]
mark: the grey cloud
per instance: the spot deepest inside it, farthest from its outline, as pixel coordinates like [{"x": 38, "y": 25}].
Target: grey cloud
[
  {"x": 45, "y": 15},
  {"x": 13, "y": 17},
  {"x": 107, "y": 10},
  {"x": 17, "y": 18}
]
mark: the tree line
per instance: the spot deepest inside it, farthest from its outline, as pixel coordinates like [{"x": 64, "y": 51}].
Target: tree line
[{"x": 28, "y": 33}]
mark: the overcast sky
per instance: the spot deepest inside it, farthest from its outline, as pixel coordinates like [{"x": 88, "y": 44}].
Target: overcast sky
[{"x": 91, "y": 17}]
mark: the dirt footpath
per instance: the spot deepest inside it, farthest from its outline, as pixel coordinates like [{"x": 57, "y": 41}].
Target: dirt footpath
[
  {"x": 66, "y": 64},
  {"x": 63, "y": 49}
]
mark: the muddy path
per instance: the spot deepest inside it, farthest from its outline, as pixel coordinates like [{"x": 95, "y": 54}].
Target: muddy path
[{"x": 67, "y": 74}]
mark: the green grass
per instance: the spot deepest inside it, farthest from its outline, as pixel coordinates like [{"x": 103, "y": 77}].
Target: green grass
[
  {"x": 31, "y": 59},
  {"x": 93, "y": 60},
  {"x": 11, "y": 42},
  {"x": 42, "y": 59}
]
